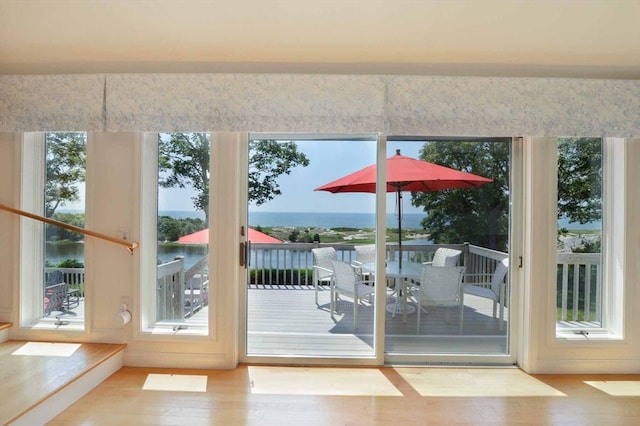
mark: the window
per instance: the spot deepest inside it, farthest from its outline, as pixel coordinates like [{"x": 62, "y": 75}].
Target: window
[
  {"x": 590, "y": 213},
  {"x": 53, "y": 291},
  {"x": 175, "y": 284}
]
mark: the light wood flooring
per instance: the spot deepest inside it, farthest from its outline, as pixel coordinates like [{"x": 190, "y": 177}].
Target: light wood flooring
[
  {"x": 33, "y": 371},
  {"x": 301, "y": 396}
]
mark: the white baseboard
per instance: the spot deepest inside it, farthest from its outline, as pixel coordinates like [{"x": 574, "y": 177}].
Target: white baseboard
[
  {"x": 582, "y": 366},
  {"x": 177, "y": 360}
]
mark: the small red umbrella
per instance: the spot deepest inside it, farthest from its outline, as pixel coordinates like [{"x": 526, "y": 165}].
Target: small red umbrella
[
  {"x": 405, "y": 174},
  {"x": 202, "y": 237}
]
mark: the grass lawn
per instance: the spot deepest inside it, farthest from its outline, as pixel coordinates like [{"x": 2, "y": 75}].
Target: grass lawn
[{"x": 338, "y": 235}]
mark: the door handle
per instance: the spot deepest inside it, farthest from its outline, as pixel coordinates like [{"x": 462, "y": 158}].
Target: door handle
[
  {"x": 243, "y": 254},
  {"x": 245, "y": 247}
]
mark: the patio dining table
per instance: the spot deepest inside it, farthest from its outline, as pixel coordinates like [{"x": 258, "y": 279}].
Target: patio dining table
[{"x": 400, "y": 272}]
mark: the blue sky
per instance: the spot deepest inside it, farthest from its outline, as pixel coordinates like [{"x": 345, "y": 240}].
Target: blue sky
[{"x": 328, "y": 160}]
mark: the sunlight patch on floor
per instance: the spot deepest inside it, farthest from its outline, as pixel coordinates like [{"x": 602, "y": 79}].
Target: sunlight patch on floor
[
  {"x": 320, "y": 381},
  {"x": 475, "y": 382},
  {"x": 175, "y": 382},
  {"x": 47, "y": 349},
  {"x": 617, "y": 387}
]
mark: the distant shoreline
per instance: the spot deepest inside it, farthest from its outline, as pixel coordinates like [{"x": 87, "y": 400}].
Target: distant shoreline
[{"x": 328, "y": 220}]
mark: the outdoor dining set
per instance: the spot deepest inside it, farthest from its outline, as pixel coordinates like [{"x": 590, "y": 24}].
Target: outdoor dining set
[{"x": 411, "y": 286}]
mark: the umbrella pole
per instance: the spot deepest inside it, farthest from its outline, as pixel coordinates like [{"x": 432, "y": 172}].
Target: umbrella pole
[{"x": 399, "y": 196}]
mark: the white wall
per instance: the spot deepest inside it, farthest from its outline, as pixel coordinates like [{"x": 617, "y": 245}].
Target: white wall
[
  {"x": 8, "y": 223},
  {"x": 111, "y": 204},
  {"x": 541, "y": 351}
]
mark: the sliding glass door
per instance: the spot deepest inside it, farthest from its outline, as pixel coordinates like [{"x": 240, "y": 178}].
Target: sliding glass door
[
  {"x": 307, "y": 248},
  {"x": 417, "y": 273},
  {"x": 452, "y": 300}
]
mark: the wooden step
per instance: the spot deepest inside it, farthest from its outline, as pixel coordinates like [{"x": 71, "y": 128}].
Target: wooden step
[{"x": 41, "y": 379}]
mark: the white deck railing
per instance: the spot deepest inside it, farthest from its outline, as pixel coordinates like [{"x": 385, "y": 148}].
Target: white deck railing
[
  {"x": 579, "y": 276},
  {"x": 286, "y": 263},
  {"x": 181, "y": 293},
  {"x": 170, "y": 287},
  {"x": 72, "y": 276},
  {"x": 578, "y": 285}
]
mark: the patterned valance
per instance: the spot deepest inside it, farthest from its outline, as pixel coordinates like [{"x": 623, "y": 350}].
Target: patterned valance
[
  {"x": 51, "y": 103},
  {"x": 395, "y": 105}
]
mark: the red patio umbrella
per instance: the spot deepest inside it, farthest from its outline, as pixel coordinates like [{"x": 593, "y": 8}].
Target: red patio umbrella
[
  {"x": 405, "y": 174},
  {"x": 202, "y": 237}
]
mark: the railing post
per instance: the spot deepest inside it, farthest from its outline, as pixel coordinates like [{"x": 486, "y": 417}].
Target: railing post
[
  {"x": 466, "y": 258},
  {"x": 177, "y": 307}
]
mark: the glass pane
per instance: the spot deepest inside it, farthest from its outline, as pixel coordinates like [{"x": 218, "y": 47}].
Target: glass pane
[
  {"x": 579, "y": 285},
  {"x": 64, "y": 284},
  {"x": 449, "y": 294},
  {"x": 182, "y": 292},
  {"x": 307, "y": 245}
]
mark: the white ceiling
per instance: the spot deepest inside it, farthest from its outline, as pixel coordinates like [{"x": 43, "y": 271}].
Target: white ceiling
[{"x": 529, "y": 38}]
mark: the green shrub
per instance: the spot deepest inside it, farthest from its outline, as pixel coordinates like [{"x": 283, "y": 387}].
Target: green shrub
[
  {"x": 70, "y": 263},
  {"x": 281, "y": 276}
]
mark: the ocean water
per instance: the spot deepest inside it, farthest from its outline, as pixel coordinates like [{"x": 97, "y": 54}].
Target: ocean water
[
  {"x": 320, "y": 220},
  {"x": 348, "y": 220},
  {"x": 575, "y": 226}
]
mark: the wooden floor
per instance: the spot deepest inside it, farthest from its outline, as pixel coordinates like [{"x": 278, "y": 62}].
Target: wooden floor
[
  {"x": 301, "y": 396},
  {"x": 33, "y": 371},
  {"x": 285, "y": 320}
]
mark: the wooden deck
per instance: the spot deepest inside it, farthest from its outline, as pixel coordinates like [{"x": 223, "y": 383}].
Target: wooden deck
[{"x": 284, "y": 320}]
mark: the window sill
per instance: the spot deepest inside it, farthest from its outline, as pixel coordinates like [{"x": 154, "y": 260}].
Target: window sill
[
  {"x": 586, "y": 335},
  {"x": 63, "y": 325},
  {"x": 177, "y": 330}
]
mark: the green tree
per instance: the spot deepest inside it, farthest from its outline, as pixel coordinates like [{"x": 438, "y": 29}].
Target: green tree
[
  {"x": 169, "y": 229},
  {"x": 268, "y": 160},
  {"x": 56, "y": 233},
  {"x": 66, "y": 155},
  {"x": 480, "y": 215},
  {"x": 190, "y": 225},
  {"x": 293, "y": 236},
  {"x": 184, "y": 157},
  {"x": 184, "y": 161},
  {"x": 477, "y": 215},
  {"x": 580, "y": 185},
  {"x": 580, "y": 179}
]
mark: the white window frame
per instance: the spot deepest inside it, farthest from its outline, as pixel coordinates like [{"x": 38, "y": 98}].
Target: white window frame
[
  {"x": 32, "y": 186},
  {"x": 148, "y": 237},
  {"x": 612, "y": 249}
]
